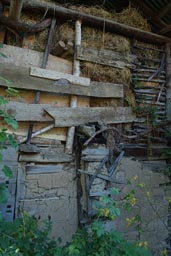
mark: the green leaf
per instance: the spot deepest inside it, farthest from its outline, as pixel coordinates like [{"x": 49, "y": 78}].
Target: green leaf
[
  {"x": 7, "y": 171},
  {"x": 1, "y": 157},
  {"x": 3, "y": 100},
  {"x": 2, "y": 193},
  {"x": 10, "y": 121},
  {"x": 12, "y": 141},
  {"x": 3, "y": 137},
  {"x": 5, "y": 80},
  {"x": 3, "y": 55},
  {"x": 98, "y": 228},
  {"x": 12, "y": 92}
]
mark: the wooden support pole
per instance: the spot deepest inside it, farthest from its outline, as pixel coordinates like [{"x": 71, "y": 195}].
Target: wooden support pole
[
  {"x": 73, "y": 102},
  {"x": 168, "y": 81},
  {"x": 44, "y": 62},
  {"x": 15, "y": 9}
]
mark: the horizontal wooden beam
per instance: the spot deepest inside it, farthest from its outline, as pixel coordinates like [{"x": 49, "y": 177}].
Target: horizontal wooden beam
[
  {"x": 89, "y": 20},
  {"x": 60, "y": 78},
  {"x": 27, "y": 112},
  {"x": 45, "y": 158},
  {"x": 106, "y": 57},
  {"x": 65, "y": 117},
  {"x": 19, "y": 77}
]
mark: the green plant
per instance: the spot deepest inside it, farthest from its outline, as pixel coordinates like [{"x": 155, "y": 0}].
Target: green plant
[
  {"x": 24, "y": 237},
  {"x": 5, "y": 138},
  {"x": 97, "y": 240}
]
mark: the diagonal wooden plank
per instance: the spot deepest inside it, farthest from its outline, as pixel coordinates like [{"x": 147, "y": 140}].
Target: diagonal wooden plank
[
  {"x": 65, "y": 117},
  {"x": 96, "y": 89},
  {"x": 54, "y": 75}
]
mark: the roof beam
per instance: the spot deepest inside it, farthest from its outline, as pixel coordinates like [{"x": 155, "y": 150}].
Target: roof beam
[
  {"x": 93, "y": 21},
  {"x": 165, "y": 10}
]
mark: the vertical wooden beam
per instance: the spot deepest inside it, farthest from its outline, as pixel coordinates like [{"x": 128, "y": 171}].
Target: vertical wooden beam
[
  {"x": 73, "y": 102},
  {"x": 168, "y": 81},
  {"x": 15, "y": 9}
]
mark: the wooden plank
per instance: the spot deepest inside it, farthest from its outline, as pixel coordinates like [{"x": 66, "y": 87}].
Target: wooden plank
[
  {"x": 40, "y": 169},
  {"x": 28, "y": 58},
  {"x": 46, "y": 158},
  {"x": 13, "y": 72},
  {"x": 54, "y": 75},
  {"x": 27, "y": 112},
  {"x": 106, "y": 57},
  {"x": 65, "y": 117},
  {"x": 95, "y": 151}
]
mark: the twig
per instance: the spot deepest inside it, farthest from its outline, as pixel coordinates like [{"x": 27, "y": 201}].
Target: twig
[{"x": 125, "y": 136}]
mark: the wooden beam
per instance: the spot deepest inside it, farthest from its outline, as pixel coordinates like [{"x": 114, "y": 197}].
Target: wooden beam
[
  {"x": 54, "y": 75},
  {"x": 27, "y": 112},
  {"x": 106, "y": 57},
  {"x": 21, "y": 27},
  {"x": 96, "y": 22},
  {"x": 65, "y": 117},
  {"x": 96, "y": 89},
  {"x": 28, "y": 58},
  {"x": 45, "y": 158}
]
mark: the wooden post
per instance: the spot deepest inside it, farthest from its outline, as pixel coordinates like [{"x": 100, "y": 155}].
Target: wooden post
[
  {"x": 73, "y": 102},
  {"x": 168, "y": 81},
  {"x": 15, "y": 9}
]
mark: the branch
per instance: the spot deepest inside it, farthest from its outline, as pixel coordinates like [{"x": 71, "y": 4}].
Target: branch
[
  {"x": 21, "y": 27},
  {"x": 125, "y": 136}
]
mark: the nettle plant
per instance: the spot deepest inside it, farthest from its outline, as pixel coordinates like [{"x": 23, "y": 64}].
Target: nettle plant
[{"x": 5, "y": 138}]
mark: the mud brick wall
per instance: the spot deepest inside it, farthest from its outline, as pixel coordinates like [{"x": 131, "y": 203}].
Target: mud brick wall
[{"x": 51, "y": 195}]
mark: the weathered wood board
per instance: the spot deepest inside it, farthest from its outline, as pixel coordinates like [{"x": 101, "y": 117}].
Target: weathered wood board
[
  {"x": 45, "y": 158},
  {"x": 105, "y": 57},
  {"x": 27, "y": 58},
  {"x": 12, "y": 73},
  {"x": 65, "y": 117},
  {"x": 27, "y": 112},
  {"x": 49, "y": 168},
  {"x": 54, "y": 75}
]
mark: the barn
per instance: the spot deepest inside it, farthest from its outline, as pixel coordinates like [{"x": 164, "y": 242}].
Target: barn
[{"x": 93, "y": 109}]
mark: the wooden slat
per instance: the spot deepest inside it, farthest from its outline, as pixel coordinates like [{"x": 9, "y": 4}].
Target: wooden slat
[
  {"x": 13, "y": 72},
  {"x": 65, "y": 117},
  {"x": 106, "y": 57},
  {"x": 45, "y": 158},
  {"x": 54, "y": 75},
  {"x": 27, "y": 112},
  {"x": 39, "y": 169},
  {"x": 27, "y": 58}
]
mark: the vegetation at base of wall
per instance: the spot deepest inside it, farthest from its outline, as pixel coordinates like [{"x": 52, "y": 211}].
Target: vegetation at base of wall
[{"x": 24, "y": 238}]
